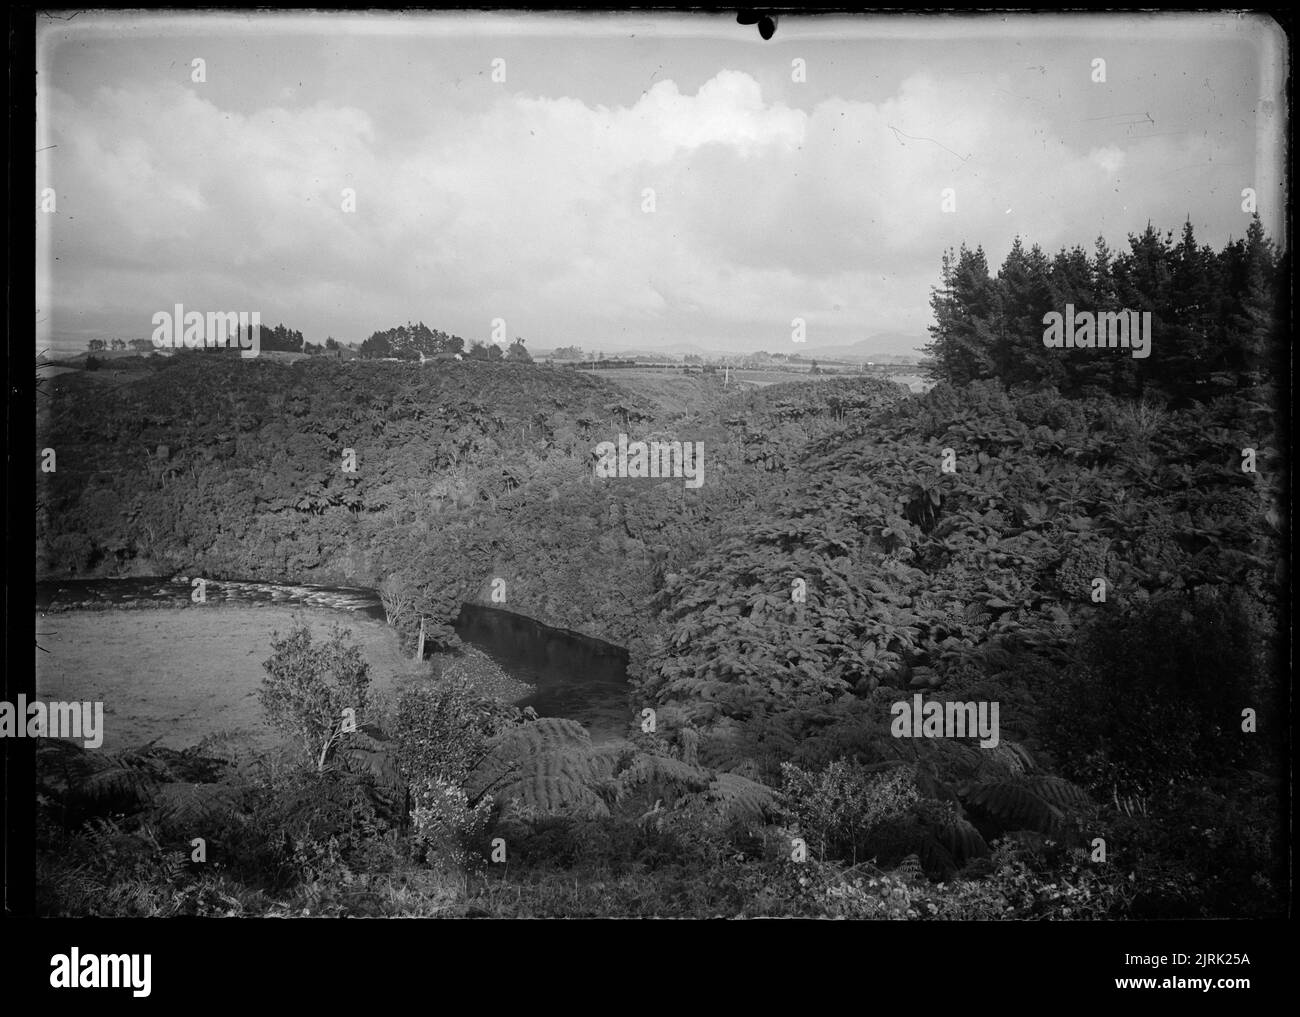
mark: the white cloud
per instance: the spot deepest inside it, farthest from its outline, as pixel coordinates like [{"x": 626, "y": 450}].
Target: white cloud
[
  {"x": 530, "y": 209},
  {"x": 1110, "y": 159}
]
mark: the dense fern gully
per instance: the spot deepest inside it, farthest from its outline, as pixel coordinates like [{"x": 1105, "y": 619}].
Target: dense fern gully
[{"x": 828, "y": 569}]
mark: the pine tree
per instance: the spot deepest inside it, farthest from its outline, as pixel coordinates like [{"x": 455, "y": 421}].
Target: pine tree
[
  {"x": 1253, "y": 320},
  {"x": 1025, "y": 297},
  {"x": 1070, "y": 280},
  {"x": 965, "y": 333},
  {"x": 1186, "y": 345},
  {"x": 1142, "y": 277}
]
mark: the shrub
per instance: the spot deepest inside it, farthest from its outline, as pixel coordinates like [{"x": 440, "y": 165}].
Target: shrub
[
  {"x": 443, "y": 731},
  {"x": 308, "y": 688},
  {"x": 445, "y": 820},
  {"x": 840, "y": 807},
  {"x": 443, "y": 728}
]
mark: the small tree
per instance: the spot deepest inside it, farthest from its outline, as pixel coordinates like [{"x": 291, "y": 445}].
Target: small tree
[
  {"x": 309, "y": 689},
  {"x": 408, "y": 608},
  {"x": 398, "y": 597},
  {"x": 517, "y": 354}
]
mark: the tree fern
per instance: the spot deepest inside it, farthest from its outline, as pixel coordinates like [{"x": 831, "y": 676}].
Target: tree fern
[
  {"x": 958, "y": 836},
  {"x": 661, "y": 775},
  {"x": 1015, "y": 806},
  {"x": 542, "y": 736},
  {"x": 547, "y": 767},
  {"x": 562, "y": 782},
  {"x": 740, "y": 799},
  {"x": 95, "y": 783},
  {"x": 189, "y": 810},
  {"x": 1008, "y": 760},
  {"x": 1060, "y": 792}
]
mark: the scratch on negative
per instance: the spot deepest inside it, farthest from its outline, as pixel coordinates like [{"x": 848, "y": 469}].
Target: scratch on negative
[{"x": 900, "y": 135}]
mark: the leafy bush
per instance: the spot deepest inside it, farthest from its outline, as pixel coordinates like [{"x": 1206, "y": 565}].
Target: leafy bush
[
  {"x": 842, "y": 806},
  {"x": 308, "y": 688},
  {"x": 446, "y": 821},
  {"x": 443, "y": 729}
]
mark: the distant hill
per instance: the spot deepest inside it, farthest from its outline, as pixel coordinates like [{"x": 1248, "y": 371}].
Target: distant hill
[{"x": 870, "y": 349}]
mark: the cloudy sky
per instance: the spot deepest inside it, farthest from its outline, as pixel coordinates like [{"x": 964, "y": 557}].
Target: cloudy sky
[{"x": 526, "y": 199}]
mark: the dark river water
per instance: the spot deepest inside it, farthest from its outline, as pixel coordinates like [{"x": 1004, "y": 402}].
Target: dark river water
[
  {"x": 576, "y": 676},
  {"x": 573, "y": 675}
]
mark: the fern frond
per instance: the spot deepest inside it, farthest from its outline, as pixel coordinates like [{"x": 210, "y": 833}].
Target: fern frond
[
  {"x": 191, "y": 808},
  {"x": 739, "y": 798},
  {"x": 547, "y": 767},
  {"x": 127, "y": 787},
  {"x": 366, "y": 751},
  {"x": 930, "y": 786},
  {"x": 1059, "y": 792},
  {"x": 556, "y": 784},
  {"x": 946, "y": 759},
  {"x": 957, "y": 835},
  {"x": 1016, "y": 806},
  {"x": 663, "y": 773},
  {"x": 544, "y": 735},
  {"x": 1007, "y": 760}
]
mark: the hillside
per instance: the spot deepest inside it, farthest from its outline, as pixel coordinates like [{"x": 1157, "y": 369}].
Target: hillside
[
  {"x": 1107, "y": 573},
  {"x": 463, "y": 473}
]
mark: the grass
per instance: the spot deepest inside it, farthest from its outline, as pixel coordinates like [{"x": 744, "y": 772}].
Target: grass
[{"x": 181, "y": 674}]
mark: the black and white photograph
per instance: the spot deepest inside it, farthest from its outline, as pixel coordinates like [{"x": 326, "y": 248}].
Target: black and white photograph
[{"x": 658, "y": 464}]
